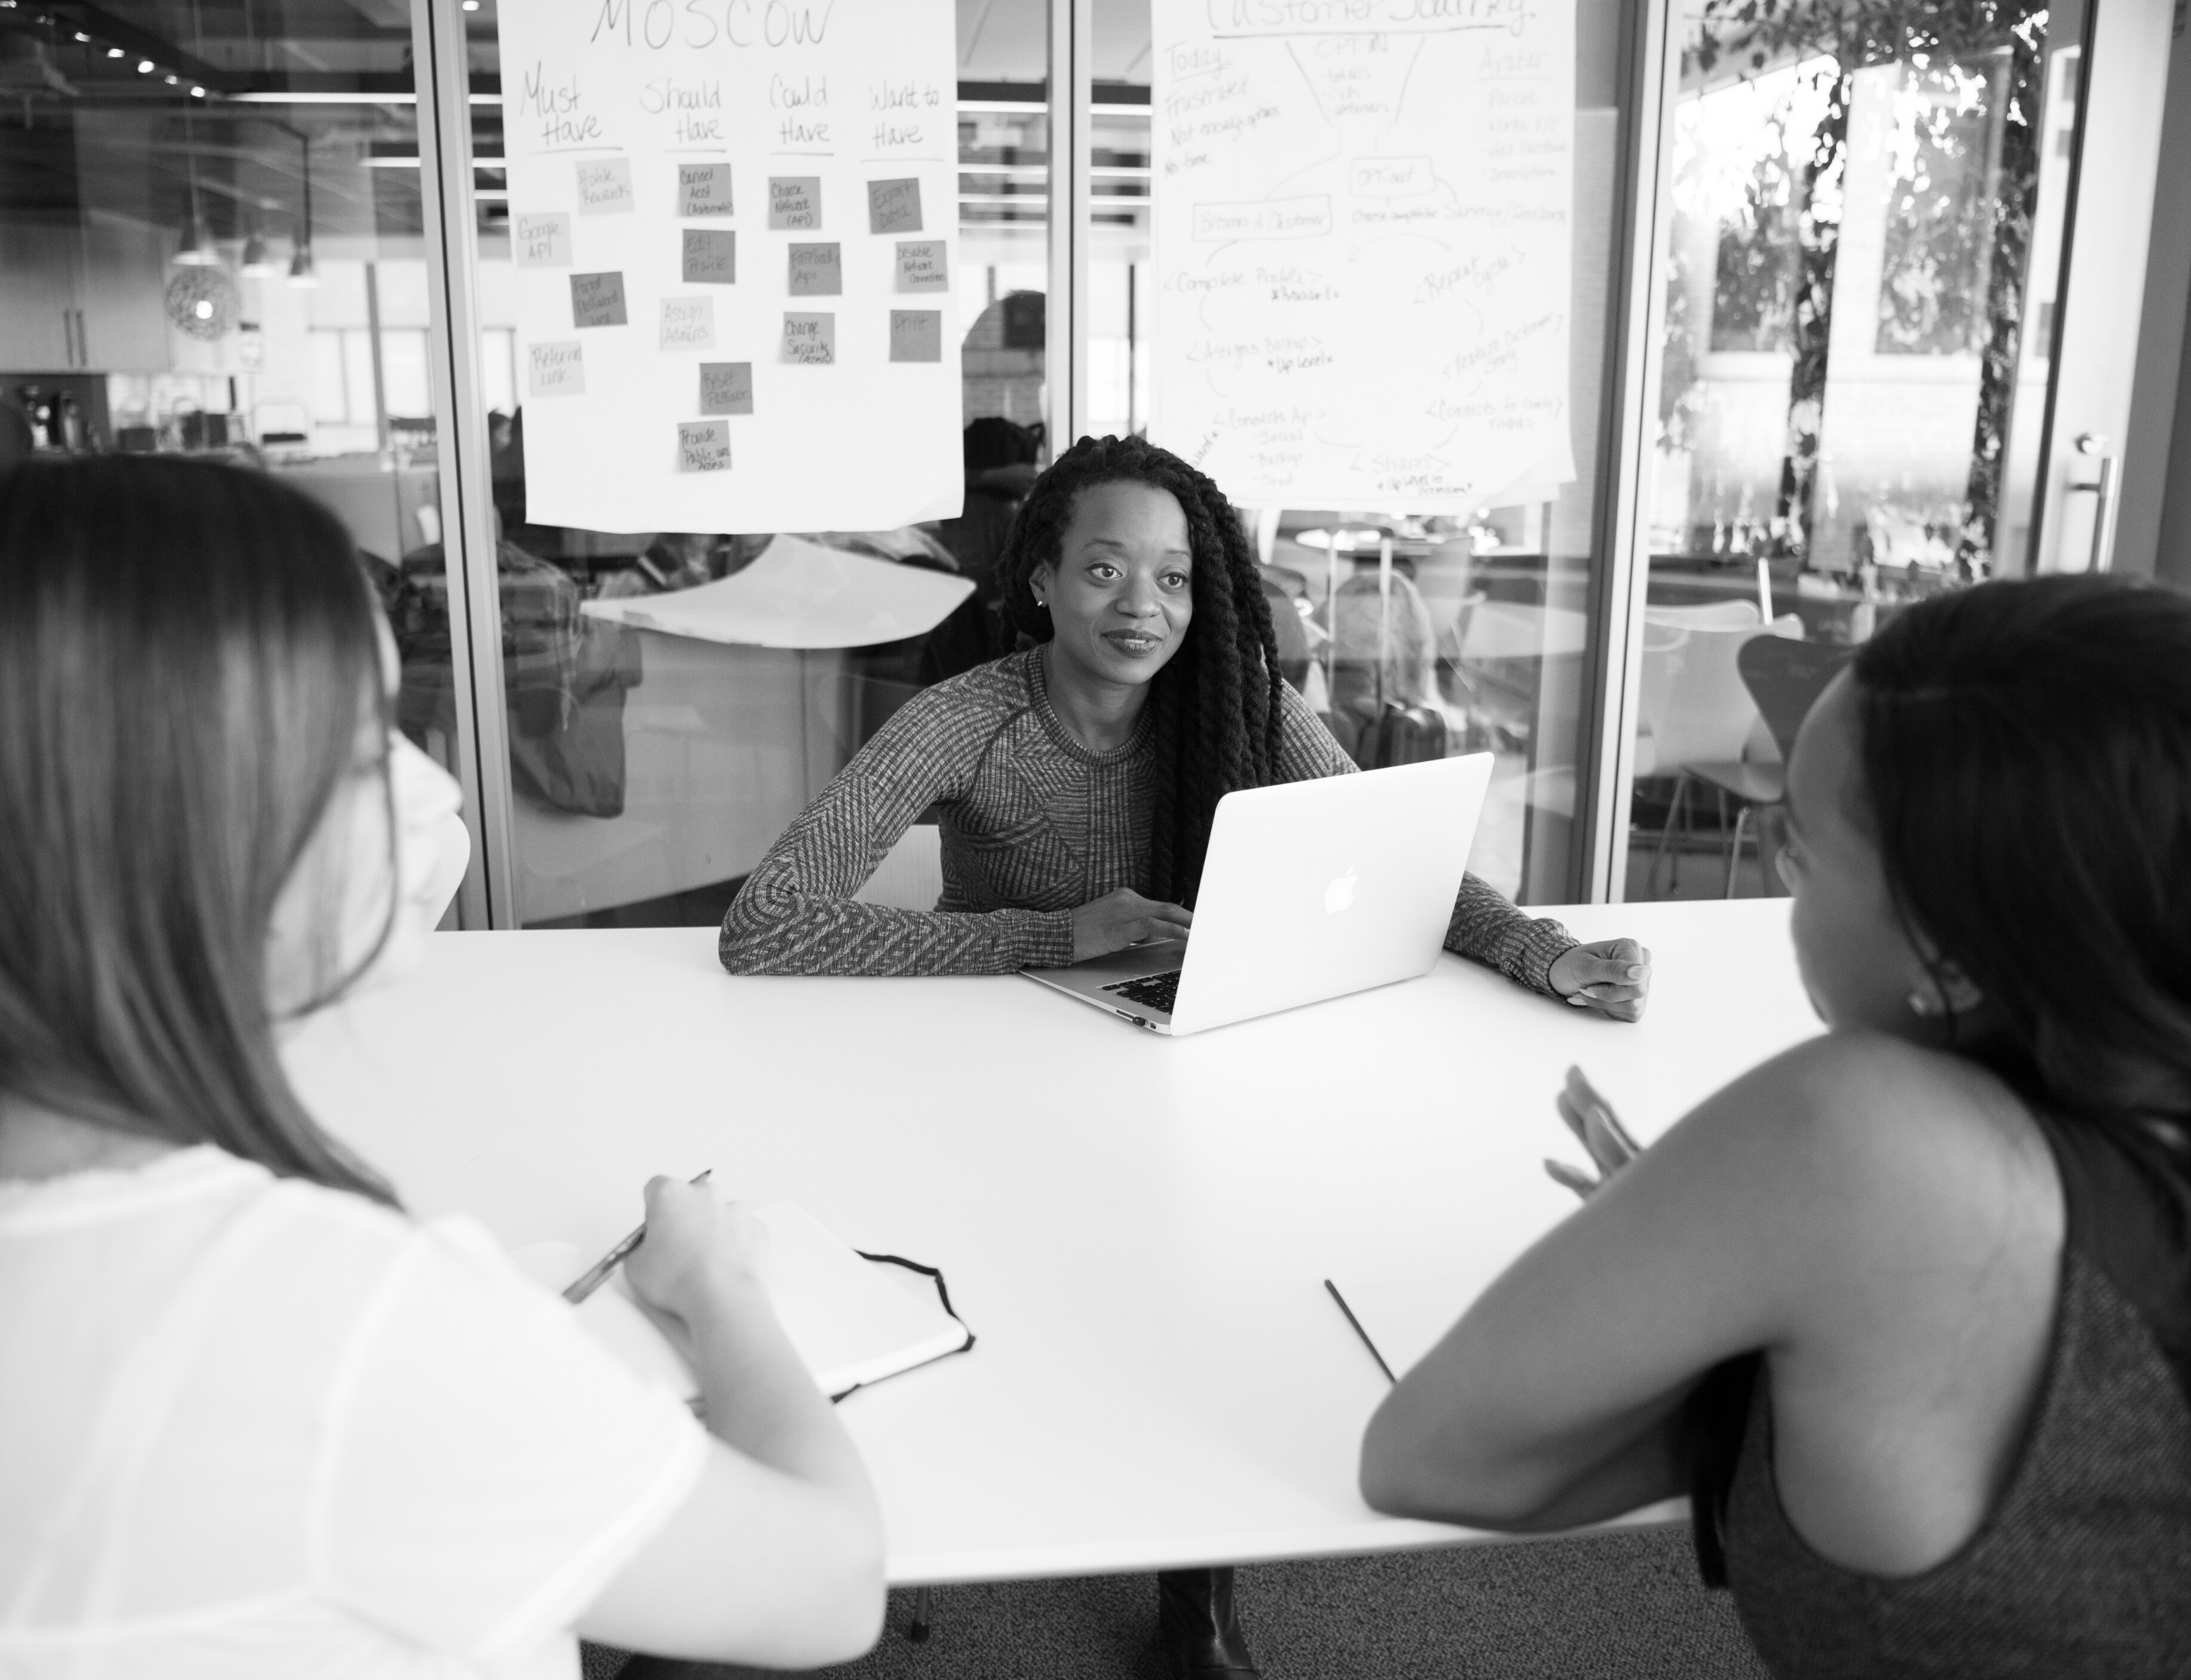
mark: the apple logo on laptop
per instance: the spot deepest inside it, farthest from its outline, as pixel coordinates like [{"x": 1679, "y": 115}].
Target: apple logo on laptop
[{"x": 1339, "y": 894}]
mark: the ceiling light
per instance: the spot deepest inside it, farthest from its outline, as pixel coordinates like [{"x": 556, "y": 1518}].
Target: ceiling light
[
  {"x": 81, "y": 36},
  {"x": 197, "y": 93},
  {"x": 174, "y": 81},
  {"x": 471, "y": 5},
  {"x": 144, "y": 66},
  {"x": 302, "y": 274},
  {"x": 258, "y": 261},
  {"x": 114, "y": 52}
]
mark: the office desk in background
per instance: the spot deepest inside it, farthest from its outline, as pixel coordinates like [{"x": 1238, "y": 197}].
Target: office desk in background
[{"x": 1137, "y": 1228}]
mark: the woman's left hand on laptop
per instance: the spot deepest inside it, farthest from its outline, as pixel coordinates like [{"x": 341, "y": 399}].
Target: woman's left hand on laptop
[{"x": 1610, "y": 976}]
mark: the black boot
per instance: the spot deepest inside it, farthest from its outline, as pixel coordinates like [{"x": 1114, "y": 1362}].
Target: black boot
[{"x": 1198, "y": 1630}]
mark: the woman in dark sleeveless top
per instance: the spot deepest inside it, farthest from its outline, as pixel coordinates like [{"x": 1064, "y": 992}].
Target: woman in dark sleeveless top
[{"x": 1907, "y": 1308}]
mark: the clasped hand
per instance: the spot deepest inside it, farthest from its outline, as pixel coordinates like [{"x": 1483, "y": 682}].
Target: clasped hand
[{"x": 1611, "y": 976}]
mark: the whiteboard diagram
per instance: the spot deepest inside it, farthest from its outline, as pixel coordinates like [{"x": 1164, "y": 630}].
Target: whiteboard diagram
[{"x": 1363, "y": 248}]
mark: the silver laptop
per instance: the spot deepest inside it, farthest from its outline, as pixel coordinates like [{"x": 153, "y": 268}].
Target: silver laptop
[{"x": 1311, "y": 890}]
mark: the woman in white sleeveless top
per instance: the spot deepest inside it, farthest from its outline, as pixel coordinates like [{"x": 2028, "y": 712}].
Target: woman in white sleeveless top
[{"x": 255, "y": 1421}]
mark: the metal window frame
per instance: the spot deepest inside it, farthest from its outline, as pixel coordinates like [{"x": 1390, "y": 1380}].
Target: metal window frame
[
  {"x": 1072, "y": 97},
  {"x": 488, "y": 897},
  {"x": 1652, "y": 59}
]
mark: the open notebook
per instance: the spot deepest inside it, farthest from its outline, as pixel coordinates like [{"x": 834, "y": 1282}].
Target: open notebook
[{"x": 854, "y": 1321}]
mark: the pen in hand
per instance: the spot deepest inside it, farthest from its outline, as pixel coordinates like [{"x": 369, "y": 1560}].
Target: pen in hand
[{"x": 598, "y": 1273}]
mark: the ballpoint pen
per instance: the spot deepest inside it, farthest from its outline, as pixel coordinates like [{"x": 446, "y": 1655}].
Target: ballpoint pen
[{"x": 598, "y": 1273}]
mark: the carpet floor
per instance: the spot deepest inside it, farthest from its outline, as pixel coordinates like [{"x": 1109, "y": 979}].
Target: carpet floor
[{"x": 1622, "y": 1606}]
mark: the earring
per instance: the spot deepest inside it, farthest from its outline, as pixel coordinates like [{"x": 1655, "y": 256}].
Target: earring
[
  {"x": 1923, "y": 1004},
  {"x": 1039, "y": 601}
]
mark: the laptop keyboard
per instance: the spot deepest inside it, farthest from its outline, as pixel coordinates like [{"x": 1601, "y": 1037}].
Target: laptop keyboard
[{"x": 1151, "y": 991}]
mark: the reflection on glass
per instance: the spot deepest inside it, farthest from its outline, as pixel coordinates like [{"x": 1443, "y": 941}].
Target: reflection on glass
[
  {"x": 1864, "y": 213},
  {"x": 651, "y": 770},
  {"x": 1414, "y": 637},
  {"x": 204, "y": 248}
]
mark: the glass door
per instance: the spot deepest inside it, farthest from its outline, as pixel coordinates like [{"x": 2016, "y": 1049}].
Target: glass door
[{"x": 1853, "y": 327}]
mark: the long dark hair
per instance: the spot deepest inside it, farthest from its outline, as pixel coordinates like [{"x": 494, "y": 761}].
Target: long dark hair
[
  {"x": 2027, "y": 755},
  {"x": 187, "y": 653},
  {"x": 1215, "y": 708}
]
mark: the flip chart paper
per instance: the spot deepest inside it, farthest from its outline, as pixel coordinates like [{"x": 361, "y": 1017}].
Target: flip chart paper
[
  {"x": 726, "y": 388},
  {"x": 540, "y": 242},
  {"x": 605, "y": 187},
  {"x": 555, "y": 370},
  {"x": 810, "y": 340},
  {"x": 597, "y": 300},
  {"x": 794, "y": 202},
  {"x": 1363, "y": 248},
  {"x": 922, "y": 266},
  {"x": 916, "y": 335},
  {"x": 687, "y": 153},
  {"x": 705, "y": 190},
  {"x": 817, "y": 270},
  {"x": 798, "y": 594},
  {"x": 711, "y": 257}
]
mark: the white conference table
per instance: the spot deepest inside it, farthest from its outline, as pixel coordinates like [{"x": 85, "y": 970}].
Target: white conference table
[{"x": 1136, "y": 1227}]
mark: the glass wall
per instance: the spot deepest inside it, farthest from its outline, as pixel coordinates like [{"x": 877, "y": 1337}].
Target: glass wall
[
  {"x": 649, "y": 771},
  {"x": 1853, "y": 312},
  {"x": 211, "y": 241},
  {"x": 201, "y": 252}
]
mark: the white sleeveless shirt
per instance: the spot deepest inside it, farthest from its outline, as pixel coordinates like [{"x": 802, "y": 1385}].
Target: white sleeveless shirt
[{"x": 250, "y": 1426}]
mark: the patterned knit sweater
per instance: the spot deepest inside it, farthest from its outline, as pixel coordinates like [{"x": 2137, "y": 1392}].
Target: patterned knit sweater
[{"x": 1034, "y": 825}]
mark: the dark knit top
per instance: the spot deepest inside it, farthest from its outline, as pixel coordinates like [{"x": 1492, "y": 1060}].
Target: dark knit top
[
  {"x": 2082, "y": 1568},
  {"x": 1034, "y": 825}
]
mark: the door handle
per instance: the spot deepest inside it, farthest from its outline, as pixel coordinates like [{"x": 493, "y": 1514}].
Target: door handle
[
  {"x": 68, "y": 337},
  {"x": 2107, "y": 488}
]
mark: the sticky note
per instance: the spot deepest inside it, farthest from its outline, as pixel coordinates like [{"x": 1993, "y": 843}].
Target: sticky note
[
  {"x": 555, "y": 370},
  {"x": 688, "y": 323},
  {"x": 704, "y": 189},
  {"x": 597, "y": 300},
  {"x": 542, "y": 241},
  {"x": 726, "y": 388},
  {"x": 817, "y": 270},
  {"x": 894, "y": 206},
  {"x": 916, "y": 335},
  {"x": 794, "y": 202},
  {"x": 704, "y": 446},
  {"x": 921, "y": 266},
  {"x": 811, "y": 338},
  {"x": 711, "y": 256},
  {"x": 605, "y": 187}
]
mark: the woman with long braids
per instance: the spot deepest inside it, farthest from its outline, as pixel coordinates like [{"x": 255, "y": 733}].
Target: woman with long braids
[
  {"x": 1076, "y": 781},
  {"x": 1906, "y": 1309}
]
